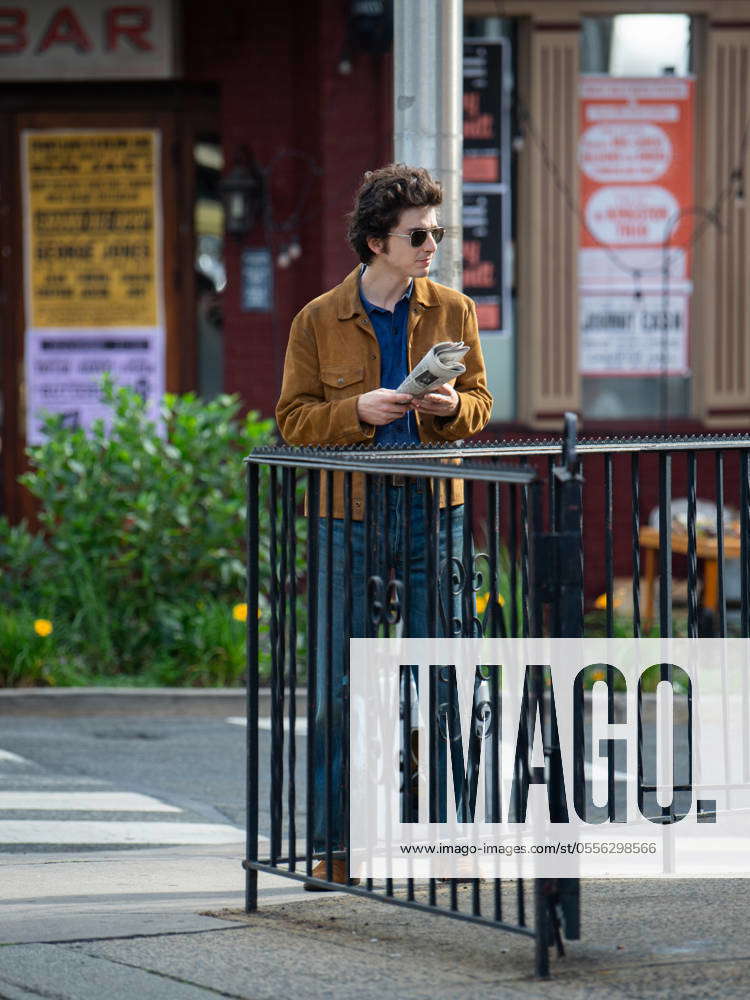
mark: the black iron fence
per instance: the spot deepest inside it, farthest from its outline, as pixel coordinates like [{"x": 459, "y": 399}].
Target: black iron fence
[
  {"x": 665, "y": 531},
  {"x": 377, "y": 542}
]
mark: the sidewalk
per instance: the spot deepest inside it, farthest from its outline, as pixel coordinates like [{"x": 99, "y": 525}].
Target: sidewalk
[{"x": 170, "y": 923}]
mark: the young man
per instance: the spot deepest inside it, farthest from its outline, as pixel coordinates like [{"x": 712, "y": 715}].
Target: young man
[{"x": 348, "y": 351}]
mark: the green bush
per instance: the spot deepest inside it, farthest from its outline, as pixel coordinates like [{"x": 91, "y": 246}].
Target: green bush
[
  {"x": 141, "y": 555},
  {"x": 206, "y": 645},
  {"x": 25, "y": 566}
]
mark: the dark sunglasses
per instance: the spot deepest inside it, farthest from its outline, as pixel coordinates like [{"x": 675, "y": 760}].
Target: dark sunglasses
[{"x": 418, "y": 236}]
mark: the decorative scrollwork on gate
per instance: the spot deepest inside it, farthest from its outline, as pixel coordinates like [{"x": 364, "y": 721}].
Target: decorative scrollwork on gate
[
  {"x": 456, "y": 583},
  {"x": 375, "y": 600},
  {"x": 448, "y": 713},
  {"x": 393, "y": 601},
  {"x": 384, "y": 601},
  {"x": 451, "y": 579}
]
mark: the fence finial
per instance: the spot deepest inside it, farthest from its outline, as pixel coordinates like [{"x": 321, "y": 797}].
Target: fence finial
[{"x": 570, "y": 441}]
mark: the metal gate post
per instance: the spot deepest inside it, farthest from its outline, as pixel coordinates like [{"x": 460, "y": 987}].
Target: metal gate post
[
  {"x": 251, "y": 844},
  {"x": 569, "y": 529},
  {"x": 570, "y": 515},
  {"x": 537, "y": 593},
  {"x": 558, "y": 575}
]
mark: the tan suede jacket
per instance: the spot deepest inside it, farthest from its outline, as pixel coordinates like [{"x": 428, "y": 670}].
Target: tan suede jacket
[{"x": 333, "y": 357}]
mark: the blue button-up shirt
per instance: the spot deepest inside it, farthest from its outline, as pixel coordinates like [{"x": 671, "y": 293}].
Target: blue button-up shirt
[{"x": 391, "y": 330}]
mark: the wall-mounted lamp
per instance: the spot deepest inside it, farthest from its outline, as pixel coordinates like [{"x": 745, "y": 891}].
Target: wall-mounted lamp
[
  {"x": 369, "y": 29},
  {"x": 243, "y": 194}
]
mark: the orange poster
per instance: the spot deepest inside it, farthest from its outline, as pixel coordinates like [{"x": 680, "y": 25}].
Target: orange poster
[{"x": 636, "y": 182}]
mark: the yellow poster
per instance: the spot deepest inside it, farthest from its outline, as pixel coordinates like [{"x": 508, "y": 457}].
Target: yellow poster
[{"x": 92, "y": 218}]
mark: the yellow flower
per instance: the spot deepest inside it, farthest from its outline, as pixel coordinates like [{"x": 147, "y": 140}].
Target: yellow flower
[
  {"x": 601, "y": 602},
  {"x": 484, "y": 599},
  {"x": 239, "y": 612},
  {"x": 43, "y": 627}
]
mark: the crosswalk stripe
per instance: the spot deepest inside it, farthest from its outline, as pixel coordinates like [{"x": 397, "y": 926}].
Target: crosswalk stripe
[
  {"x": 31, "y": 833},
  {"x": 35, "y": 832},
  {"x": 84, "y": 801}
]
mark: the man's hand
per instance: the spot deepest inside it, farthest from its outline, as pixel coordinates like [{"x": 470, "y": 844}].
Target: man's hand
[
  {"x": 441, "y": 402},
  {"x": 383, "y": 406}
]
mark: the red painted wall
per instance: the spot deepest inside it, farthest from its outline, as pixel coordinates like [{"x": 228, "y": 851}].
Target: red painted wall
[{"x": 311, "y": 128}]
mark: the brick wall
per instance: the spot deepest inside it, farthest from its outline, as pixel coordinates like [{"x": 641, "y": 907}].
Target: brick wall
[{"x": 282, "y": 95}]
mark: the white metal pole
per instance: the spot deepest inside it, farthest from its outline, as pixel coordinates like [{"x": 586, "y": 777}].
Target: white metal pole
[{"x": 428, "y": 116}]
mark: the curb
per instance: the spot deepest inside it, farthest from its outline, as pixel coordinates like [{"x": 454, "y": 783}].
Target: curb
[{"x": 79, "y": 701}]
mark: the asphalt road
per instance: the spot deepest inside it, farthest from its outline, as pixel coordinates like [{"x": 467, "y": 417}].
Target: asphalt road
[
  {"x": 82, "y": 773},
  {"x": 67, "y": 781}
]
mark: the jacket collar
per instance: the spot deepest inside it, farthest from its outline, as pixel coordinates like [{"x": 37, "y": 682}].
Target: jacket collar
[{"x": 350, "y": 304}]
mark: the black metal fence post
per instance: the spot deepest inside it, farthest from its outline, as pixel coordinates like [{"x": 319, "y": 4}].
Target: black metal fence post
[
  {"x": 570, "y": 512},
  {"x": 558, "y": 579},
  {"x": 542, "y": 926},
  {"x": 570, "y": 567},
  {"x": 253, "y": 539}
]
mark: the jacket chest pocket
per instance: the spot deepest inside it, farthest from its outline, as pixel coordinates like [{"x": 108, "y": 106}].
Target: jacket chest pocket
[{"x": 340, "y": 382}]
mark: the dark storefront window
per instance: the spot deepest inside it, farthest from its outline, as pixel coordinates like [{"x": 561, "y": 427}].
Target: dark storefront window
[
  {"x": 489, "y": 208},
  {"x": 210, "y": 276}
]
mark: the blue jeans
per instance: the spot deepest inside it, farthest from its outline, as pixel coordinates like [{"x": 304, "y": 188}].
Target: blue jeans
[{"x": 387, "y": 556}]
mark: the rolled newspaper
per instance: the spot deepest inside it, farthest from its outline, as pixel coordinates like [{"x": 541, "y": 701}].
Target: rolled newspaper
[{"x": 441, "y": 364}]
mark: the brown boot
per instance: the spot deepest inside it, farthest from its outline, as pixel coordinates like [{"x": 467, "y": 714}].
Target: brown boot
[{"x": 339, "y": 876}]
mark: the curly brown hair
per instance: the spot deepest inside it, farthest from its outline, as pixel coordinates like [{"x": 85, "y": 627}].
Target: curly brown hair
[{"x": 382, "y": 197}]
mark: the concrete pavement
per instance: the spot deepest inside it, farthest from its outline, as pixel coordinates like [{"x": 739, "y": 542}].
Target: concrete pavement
[{"x": 169, "y": 923}]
